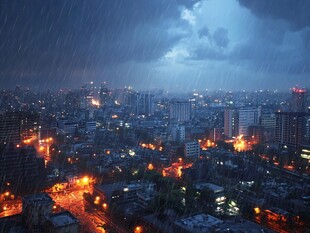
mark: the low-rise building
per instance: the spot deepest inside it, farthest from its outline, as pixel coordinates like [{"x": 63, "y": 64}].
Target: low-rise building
[
  {"x": 192, "y": 149},
  {"x": 200, "y": 223},
  {"x": 36, "y": 210},
  {"x": 63, "y": 222}
]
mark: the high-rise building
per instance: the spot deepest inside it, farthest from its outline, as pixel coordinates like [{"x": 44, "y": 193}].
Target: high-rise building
[
  {"x": 178, "y": 133},
  {"x": 104, "y": 94},
  {"x": 231, "y": 122},
  {"x": 18, "y": 126},
  {"x": 142, "y": 104},
  {"x": 180, "y": 110},
  {"x": 19, "y": 165},
  {"x": 298, "y": 103},
  {"x": 290, "y": 129},
  {"x": 10, "y": 130},
  {"x": 256, "y": 132},
  {"x": 248, "y": 116},
  {"x": 216, "y": 134},
  {"x": 89, "y": 96},
  {"x": 268, "y": 121},
  {"x": 30, "y": 125}
]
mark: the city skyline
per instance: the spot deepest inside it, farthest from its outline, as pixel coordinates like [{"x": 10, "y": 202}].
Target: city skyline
[
  {"x": 154, "y": 116},
  {"x": 182, "y": 45}
]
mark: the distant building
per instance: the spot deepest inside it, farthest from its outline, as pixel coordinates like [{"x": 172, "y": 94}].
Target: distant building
[
  {"x": 10, "y": 130},
  {"x": 298, "y": 103},
  {"x": 104, "y": 94},
  {"x": 256, "y": 132},
  {"x": 248, "y": 116},
  {"x": 192, "y": 149},
  {"x": 66, "y": 126},
  {"x": 122, "y": 192},
  {"x": 180, "y": 110},
  {"x": 142, "y": 104},
  {"x": 231, "y": 122},
  {"x": 18, "y": 126},
  {"x": 268, "y": 121},
  {"x": 178, "y": 133},
  {"x": 216, "y": 134},
  {"x": 91, "y": 126},
  {"x": 290, "y": 129}
]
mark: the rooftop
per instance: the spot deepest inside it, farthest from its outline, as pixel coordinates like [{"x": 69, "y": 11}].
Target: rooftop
[
  {"x": 38, "y": 199},
  {"x": 199, "y": 223},
  {"x": 63, "y": 219},
  {"x": 108, "y": 189},
  {"x": 215, "y": 188},
  {"x": 243, "y": 226}
]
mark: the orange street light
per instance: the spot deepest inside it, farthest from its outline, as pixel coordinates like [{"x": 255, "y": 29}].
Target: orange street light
[
  {"x": 138, "y": 229},
  {"x": 150, "y": 166},
  {"x": 85, "y": 180},
  {"x": 257, "y": 210}
]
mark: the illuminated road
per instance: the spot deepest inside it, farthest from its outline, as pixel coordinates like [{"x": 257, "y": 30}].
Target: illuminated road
[
  {"x": 73, "y": 201},
  {"x": 92, "y": 221}
]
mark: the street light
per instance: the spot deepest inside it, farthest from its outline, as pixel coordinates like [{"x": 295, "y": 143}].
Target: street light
[
  {"x": 138, "y": 229},
  {"x": 85, "y": 180}
]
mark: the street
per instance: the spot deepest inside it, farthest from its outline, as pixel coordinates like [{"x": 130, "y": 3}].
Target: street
[{"x": 92, "y": 220}]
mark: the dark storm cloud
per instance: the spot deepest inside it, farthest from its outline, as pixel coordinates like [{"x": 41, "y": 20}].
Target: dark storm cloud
[
  {"x": 208, "y": 53},
  {"x": 214, "y": 47},
  {"x": 204, "y": 32},
  {"x": 220, "y": 37},
  {"x": 295, "y": 12},
  {"x": 56, "y": 37}
]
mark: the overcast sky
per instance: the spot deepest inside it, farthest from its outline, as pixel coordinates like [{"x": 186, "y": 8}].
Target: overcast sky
[{"x": 178, "y": 45}]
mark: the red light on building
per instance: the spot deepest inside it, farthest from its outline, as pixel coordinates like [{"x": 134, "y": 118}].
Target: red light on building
[{"x": 299, "y": 90}]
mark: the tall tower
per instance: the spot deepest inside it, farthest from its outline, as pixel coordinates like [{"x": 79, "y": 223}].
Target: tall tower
[
  {"x": 298, "y": 103},
  {"x": 231, "y": 122},
  {"x": 248, "y": 116},
  {"x": 142, "y": 104},
  {"x": 290, "y": 129},
  {"x": 180, "y": 110},
  {"x": 104, "y": 94}
]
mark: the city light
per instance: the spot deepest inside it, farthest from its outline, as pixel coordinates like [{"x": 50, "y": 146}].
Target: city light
[
  {"x": 85, "y": 180},
  {"x": 257, "y": 210},
  {"x": 150, "y": 166},
  {"x": 95, "y": 103},
  {"x": 138, "y": 229}
]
